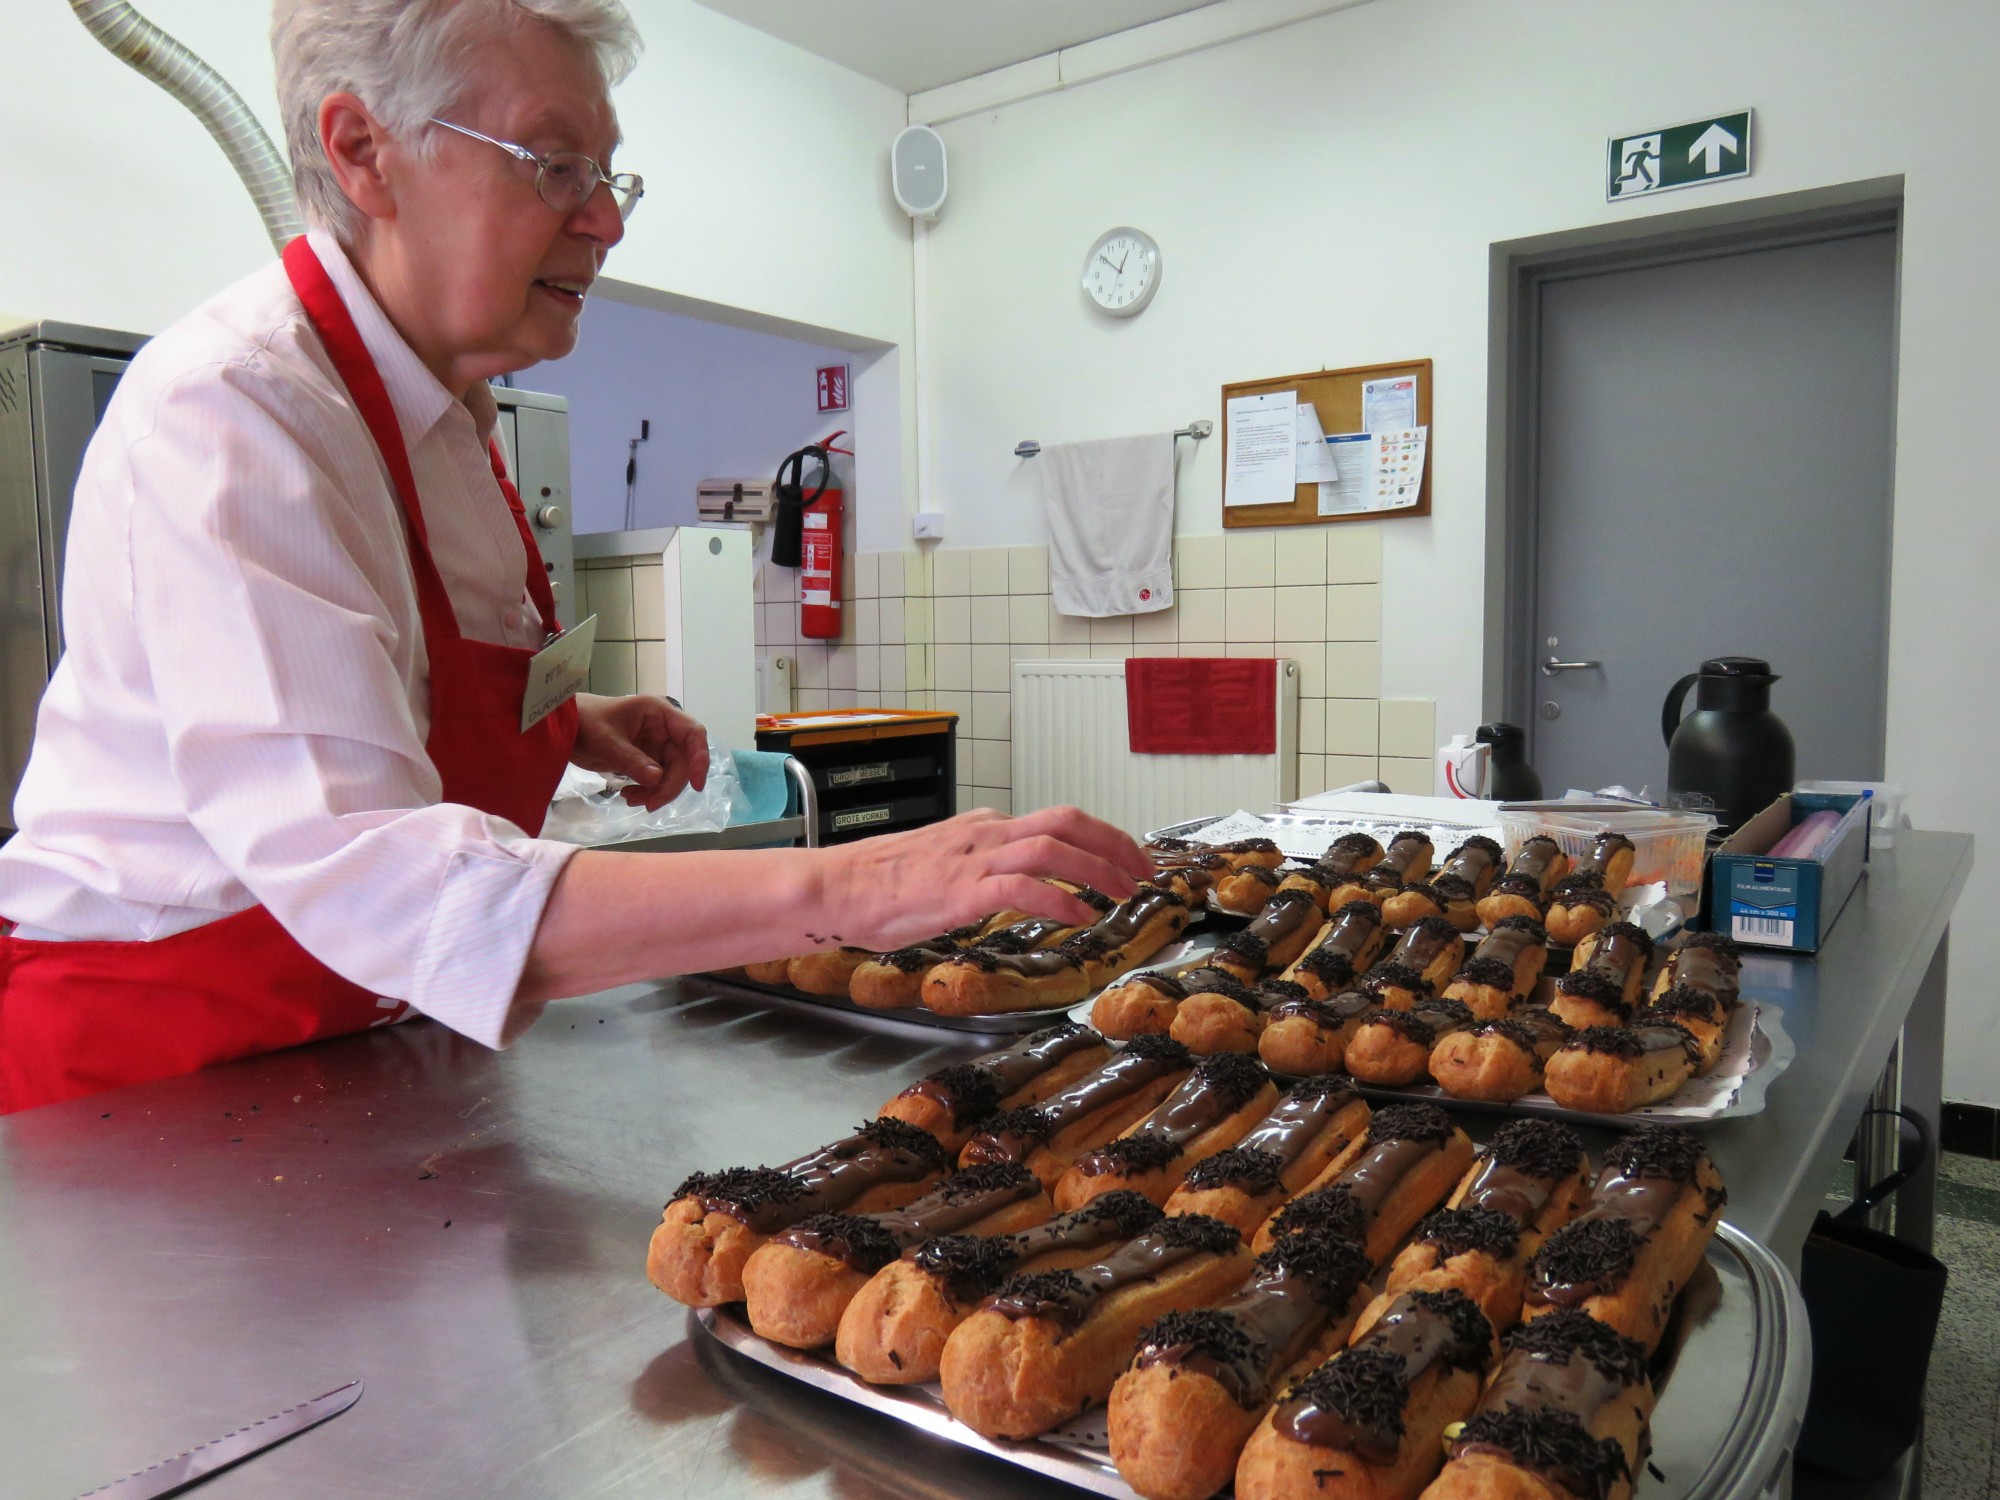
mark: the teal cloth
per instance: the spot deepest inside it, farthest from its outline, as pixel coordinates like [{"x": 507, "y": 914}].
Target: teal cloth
[{"x": 767, "y": 791}]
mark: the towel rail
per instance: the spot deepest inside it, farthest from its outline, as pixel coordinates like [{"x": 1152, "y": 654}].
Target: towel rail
[{"x": 1198, "y": 429}]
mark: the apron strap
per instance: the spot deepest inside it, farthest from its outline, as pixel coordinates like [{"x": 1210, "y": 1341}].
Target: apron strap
[{"x": 356, "y": 368}]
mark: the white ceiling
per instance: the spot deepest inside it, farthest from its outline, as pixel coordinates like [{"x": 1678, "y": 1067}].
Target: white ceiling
[{"x": 913, "y": 45}]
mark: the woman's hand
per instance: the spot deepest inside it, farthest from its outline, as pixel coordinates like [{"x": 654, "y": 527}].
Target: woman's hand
[
  {"x": 898, "y": 888},
  {"x": 647, "y": 739}
]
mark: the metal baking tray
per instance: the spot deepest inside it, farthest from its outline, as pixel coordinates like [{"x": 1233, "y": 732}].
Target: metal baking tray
[
  {"x": 1193, "y": 944},
  {"x": 1737, "y": 1370}
]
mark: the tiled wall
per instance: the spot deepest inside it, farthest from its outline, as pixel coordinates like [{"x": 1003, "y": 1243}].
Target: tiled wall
[
  {"x": 941, "y": 629},
  {"x": 628, "y": 595}
]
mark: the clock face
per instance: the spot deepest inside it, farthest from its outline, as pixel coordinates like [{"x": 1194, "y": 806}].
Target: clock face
[{"x": 1123, "y": 272}]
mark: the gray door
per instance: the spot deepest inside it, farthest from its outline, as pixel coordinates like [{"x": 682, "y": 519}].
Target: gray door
[{"x": 1712, "y": 466}]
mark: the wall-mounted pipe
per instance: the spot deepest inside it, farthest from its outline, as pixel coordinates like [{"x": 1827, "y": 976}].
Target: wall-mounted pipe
[{"x": 134, "y": 40}]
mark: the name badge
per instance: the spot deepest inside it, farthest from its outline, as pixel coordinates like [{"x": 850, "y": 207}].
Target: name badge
[{"x": 557, "y": 673}]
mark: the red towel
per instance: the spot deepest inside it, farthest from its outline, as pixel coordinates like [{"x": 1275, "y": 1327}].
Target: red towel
[{"x": 1202, "y": 705}]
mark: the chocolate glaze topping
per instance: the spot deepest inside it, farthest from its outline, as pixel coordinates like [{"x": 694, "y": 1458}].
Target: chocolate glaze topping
[
  {"x": 1549, "y": 1441},
  {"x": 1619, "y": 941},
  {"x": 1684, "y": 1003},
  {"x": 1564, "y": 1337},
  {"x": 1356, "y": 1399},
  {"x": 1244, "y": 1342},
  {"x": 1537, "y": 933},
  {"x": 1217, "y": 1088},
  {"x": 1473, "y": 861},
  {"x": 1431, "y": 892},
  {"x": 1490, "y": 972},
  {"x": 1593, "y": 896},
  {"x": 1583, "y": 1259},
  {"x": 1425, "y": 1021},
  {"x": 1637, "y": 1041},
  {"x": 1425, "y": 940},
  {"x": 1022, "y": 937},
  {"x": 917, "y": 957},
  {"x": 970, "y": 1266},
  {"x": 1663, "y": 1151},
  {"x": 1331, "y": 1013},
  {"x": 1209, "y": 980},
  {"x": 769, "y": 1199},
  {"x": 1587, "y": 984},
  {"x": 1256, "y": 1170},
  {"x": 973, "y": 1090},
  {"x": 1533, "y": 860},
  {"x": 868, "y": 1242},
  {"x": 1067, "y": 1297},
  {"x": 1393, "y": 975},
  {"x": 1366, "y": 912},
  {"x": 1715, "y": 942},
  {"x": 1329, "y": 966},
  {"x": 1162, "y": 984},
  {"x": 1249, "y": 948},
  {"x": 1458, "y": 1231},
  {"x": 1348, "y": 850},
  {"x": 1272, "y": 992},
  {"x": 1710, "y": 970},
  {"x": 1010, "y": 1136},
  {"x": 1525, "y": 886}
]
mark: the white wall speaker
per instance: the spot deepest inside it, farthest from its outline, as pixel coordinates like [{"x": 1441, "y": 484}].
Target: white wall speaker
[{"x": 917, "y": 170}]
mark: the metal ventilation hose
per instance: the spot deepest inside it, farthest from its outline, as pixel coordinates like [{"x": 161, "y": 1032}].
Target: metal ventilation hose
[{"x": 133, "y": 39}]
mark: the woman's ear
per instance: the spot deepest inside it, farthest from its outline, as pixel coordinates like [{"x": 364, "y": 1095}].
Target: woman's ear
[{"x": 355, "y": 144}]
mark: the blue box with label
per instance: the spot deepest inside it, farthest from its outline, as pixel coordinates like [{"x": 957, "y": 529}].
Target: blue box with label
[{"x": 1787, "y": 903}]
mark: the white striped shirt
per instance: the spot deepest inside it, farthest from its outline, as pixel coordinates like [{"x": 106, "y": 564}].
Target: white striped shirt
[{"x": 240, "y": 715}]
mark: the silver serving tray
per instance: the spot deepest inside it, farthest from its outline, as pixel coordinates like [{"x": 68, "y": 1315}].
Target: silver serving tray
[
  {"x": 1731, "y": 1401},
  {"x": 1191, "y": 946}
]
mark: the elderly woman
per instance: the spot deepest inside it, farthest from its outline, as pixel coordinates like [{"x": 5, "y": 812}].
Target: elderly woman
[{"x": 280, "y": 789}]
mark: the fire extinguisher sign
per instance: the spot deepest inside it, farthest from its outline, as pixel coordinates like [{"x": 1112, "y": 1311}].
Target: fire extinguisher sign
[{"x": 833, "y": 388}]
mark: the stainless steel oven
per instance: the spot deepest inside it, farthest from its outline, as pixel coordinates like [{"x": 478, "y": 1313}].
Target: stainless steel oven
[{"x": 55, "y": 380}]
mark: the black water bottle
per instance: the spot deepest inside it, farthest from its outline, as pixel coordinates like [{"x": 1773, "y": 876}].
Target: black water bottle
[{"x": 1510, "y": 778}]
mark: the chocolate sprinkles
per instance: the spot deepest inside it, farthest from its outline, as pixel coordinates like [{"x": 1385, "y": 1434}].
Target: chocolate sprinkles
[
  {"x": 1250, "y": 1168},
  {"x": 1552, "y": 1442},
  {"x": 1547, "y": 1149},
  {"x": 1662, "y": 1151},
  {"x": 1459, "y": 1231}
]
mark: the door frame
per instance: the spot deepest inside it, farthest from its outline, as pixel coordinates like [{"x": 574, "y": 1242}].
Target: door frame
[{"x": 1520, "y": 270}]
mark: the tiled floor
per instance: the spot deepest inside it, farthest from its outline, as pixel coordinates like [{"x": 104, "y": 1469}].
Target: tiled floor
[
  {"x": 1962, "y": 1400},
  {"x": 1962, "y": 1397}
]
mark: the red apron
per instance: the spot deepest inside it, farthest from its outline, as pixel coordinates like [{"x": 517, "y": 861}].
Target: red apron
[{"x": 79, "y": 1017}]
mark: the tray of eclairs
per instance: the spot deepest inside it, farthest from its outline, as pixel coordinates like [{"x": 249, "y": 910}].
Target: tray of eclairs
[
  {"x": 1145, "y": 1273},
  {"x": 1015, "y": 973},
  {"x": 1442, "y": 986}
]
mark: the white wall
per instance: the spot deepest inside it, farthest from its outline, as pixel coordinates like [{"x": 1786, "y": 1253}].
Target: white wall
[
  {"x": 766, "y": 185},
  {"x": 1328, "y": 194},
  {"x": 723, "y": 402}
]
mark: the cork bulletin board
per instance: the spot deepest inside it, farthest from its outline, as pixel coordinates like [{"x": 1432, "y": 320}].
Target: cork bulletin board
[{"x": 1336, "y": 396}]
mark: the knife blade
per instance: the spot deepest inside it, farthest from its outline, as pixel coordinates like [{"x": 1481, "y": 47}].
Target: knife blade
[{"x": 172, "y": 1475}]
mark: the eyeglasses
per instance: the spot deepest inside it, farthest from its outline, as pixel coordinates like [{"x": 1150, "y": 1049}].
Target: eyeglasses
[{"x": 566, "y": 179}]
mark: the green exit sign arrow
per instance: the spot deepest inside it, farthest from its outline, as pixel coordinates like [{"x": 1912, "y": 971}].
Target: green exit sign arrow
[{"x": 1678, "y": 156}]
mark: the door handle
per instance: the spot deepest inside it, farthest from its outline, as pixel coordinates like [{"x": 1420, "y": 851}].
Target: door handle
[{"x": 1552, "y": 666}]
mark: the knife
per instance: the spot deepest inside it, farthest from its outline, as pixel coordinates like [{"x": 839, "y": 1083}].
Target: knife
[{"x": 172, "y": 1475}]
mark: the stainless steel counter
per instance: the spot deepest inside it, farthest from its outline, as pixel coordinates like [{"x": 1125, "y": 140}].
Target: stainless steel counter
[{"x": 467, "y": 1231}]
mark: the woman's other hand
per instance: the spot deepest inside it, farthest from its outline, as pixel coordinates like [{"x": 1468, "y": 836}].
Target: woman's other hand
[{"x": 647, "y": 739}]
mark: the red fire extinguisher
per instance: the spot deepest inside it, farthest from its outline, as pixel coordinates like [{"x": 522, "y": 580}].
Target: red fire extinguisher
[{"x": 820, "y": 512}]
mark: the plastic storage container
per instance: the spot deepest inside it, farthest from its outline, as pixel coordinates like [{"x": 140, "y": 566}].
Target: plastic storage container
[{"x": 1668, "y": 846}]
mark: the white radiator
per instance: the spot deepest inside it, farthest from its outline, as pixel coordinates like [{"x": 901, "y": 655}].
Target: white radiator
[{"x": 1071, "y": 745}]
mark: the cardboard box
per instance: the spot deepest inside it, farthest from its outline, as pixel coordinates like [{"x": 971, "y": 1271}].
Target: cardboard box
[{"x": 1787, "y": 903}]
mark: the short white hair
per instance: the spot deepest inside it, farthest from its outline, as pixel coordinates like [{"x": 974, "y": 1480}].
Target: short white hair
[{"x": 406, "y": 60}]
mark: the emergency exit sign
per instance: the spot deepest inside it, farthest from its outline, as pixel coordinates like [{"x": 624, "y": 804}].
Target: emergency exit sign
[{"x": 1678, "y": 156}]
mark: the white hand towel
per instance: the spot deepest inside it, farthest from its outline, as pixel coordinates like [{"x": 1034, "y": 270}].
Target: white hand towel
[{"x": 1110, "y": 509}]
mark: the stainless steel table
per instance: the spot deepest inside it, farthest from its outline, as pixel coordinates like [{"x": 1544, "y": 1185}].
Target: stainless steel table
[{"x": 467, "y": 1231}]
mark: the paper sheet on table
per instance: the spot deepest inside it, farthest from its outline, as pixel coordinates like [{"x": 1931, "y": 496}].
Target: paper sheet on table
[
  {"x": 1262, "y": 461},
  {"x": 1314, "y": 464},
  {"x": 1389, "y": 405},
  {"x": 1378, "y": 471}
]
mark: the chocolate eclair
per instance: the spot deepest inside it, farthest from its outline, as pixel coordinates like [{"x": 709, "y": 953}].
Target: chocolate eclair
[
  {"x": 1524, "y": 890},
  {"x": 1048, "y": 1344},
  {"x": 1210, "y": 1110},
  {"x": 797, "y": 1284},
  {"x": 1504, "y": 968},
  {"x": 1612, "y": 1069},
  {"x": 1275, "y": 937},
  {"x": 1344, "y": 947},
  {"x": 953, "y": 1100},
  {"x": 1299, "y": 1137},
  {"x": 1084, "y": 1113},
  {"x": 1500, "y": 1060},
  {"x": 1305, "y": 1036},
  {"x": 1181, "y": 1413},
  {"x": 1423, "y": 959},
  {"x": 715, "y": 1220},
  {"x": 1638, "y": 1239},
  {"x": 894, "y": 1330},
  {"x": 1568, "y": 1407},
  {"x": 1407, "y": 1163},
  {"x": 1368, "y": 1422},
  {"x": 1392, "y": 1048}
]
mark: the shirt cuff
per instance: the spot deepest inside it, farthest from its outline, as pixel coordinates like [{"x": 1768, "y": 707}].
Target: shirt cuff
[{"x": 483, "y": 922}]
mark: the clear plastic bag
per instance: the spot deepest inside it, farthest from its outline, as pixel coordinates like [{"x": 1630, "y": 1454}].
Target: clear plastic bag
[{"x": 588, "y": 808}]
